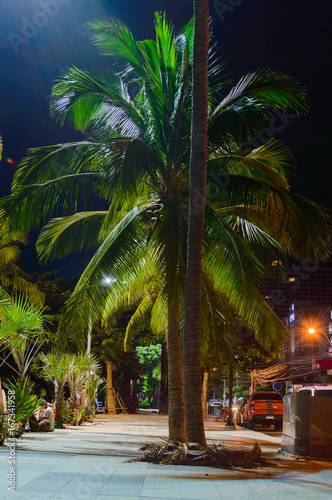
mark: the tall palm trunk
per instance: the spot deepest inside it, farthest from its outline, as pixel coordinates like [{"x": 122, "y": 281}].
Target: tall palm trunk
[
  {"x": 163, "y": 406},
  {"x": 110, "y": 392},
  {"x": 204, "y": 390},
  {"x": 176, "y": 417},
  {"x": 59, "y": 405},
  {"x": 198, "y": 167}
]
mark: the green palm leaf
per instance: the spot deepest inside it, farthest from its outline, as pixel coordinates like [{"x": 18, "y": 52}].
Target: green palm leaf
[
  {"x": 269, "y": 89},
  {"x": 65, "y": 235},
  {"x": 114, "y": 258}
]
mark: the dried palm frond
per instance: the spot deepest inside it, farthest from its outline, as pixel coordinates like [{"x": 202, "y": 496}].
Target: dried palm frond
[{"x": 217, "y": 455}]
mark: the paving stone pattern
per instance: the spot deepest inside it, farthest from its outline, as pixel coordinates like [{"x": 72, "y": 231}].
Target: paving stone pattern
[{"x": 91, "y": 462}]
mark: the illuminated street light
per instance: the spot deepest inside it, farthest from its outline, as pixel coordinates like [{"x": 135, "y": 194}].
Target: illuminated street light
[{"x": 311, "y": 331}]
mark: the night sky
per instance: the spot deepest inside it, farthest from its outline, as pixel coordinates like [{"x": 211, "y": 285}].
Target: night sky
[{"x": 39, "y": 38}]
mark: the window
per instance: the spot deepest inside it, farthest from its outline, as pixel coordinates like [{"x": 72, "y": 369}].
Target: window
[
  {"x": 319, "y": 392},
  {"x": 306, "y": 392}
]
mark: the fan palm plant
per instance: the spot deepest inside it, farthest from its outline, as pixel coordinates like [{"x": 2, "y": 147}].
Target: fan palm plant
[
  {"x": 26, "y": 404},
  {"x": 85, "y": 364},
  {"x": 22, "y": 332},
  {"x": 57, "y": 368},
  {"x": 92, "y": 386},
  {"x": 136, "y": 117}
]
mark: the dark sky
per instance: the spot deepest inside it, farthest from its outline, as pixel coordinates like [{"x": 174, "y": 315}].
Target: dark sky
[{"x": 39, "y": 38}]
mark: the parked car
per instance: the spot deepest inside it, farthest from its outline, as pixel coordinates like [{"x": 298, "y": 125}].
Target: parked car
[
  {"x": 263, "y": 408},
  {"x": 315, "y": 390}
]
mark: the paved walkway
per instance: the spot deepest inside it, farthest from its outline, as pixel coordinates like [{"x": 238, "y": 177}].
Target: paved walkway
[{"x": 91, "y": 462}]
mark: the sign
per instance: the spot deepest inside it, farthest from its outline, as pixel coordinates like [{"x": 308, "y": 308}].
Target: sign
[
  {"x": 277, "y": 386},
  {"x": 322, "y": 364}
]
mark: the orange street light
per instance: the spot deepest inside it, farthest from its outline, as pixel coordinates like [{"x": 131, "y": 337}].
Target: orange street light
[{"x": 311, "y": 331}]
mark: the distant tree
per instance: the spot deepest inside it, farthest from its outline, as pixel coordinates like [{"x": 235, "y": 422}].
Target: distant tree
[
  {"x": 150, "y": 358},
  {"x": 56, "y": 291}
]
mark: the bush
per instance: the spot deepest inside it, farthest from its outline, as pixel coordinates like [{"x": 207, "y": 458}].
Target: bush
[
  {"x": 26, "y": 404},
  {"x": 144, "y": 404},
  {"x": 76, "y": 416}
]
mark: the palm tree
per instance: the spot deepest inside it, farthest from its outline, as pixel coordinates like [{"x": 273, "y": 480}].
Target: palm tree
[
  {"x": 84, "y": 365},
  {"x": 57, "y": 368},
  {"x": 22, "y": 332},
  {"x": 137, "y": 160}
]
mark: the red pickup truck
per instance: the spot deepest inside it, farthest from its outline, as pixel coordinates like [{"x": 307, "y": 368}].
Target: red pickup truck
[{"x": 263, "y": 408}]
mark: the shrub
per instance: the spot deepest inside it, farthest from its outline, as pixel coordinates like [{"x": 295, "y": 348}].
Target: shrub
[
  {"x": 26, "y": 404},
  {"x": 144, "y": 404}
]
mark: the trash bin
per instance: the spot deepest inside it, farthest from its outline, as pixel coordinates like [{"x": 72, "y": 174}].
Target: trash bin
[
  {"x": 307, "y": 427},
  {"x": 217, "y": 411}
]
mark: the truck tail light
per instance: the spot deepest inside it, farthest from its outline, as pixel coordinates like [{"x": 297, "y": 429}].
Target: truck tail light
[{"x": 252, "y": 408}]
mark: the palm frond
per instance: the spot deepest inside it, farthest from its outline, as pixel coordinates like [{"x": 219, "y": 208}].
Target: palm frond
[
  {"x": 66, "y": 235},
  {"x": 247, "y": 303},
  {"x": 96, "y": 102},
  {"x": 268, "y": 89},
  {"x": 114, "y": 258},
  {"x": 32, "y": 205},
  {"x": 159, "y": 316},
  {"x": 298, "y": 224},
  {"x": 60, "y": 160},
  {"x": 9, "y": 254},
  {"x": 113, "y": 38},
  {"x": 4, "y": 300},
  {"x": 272, "y": 162},
  {"x": 140, "y": 314},
  {"x": 20, "y": 319}
]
